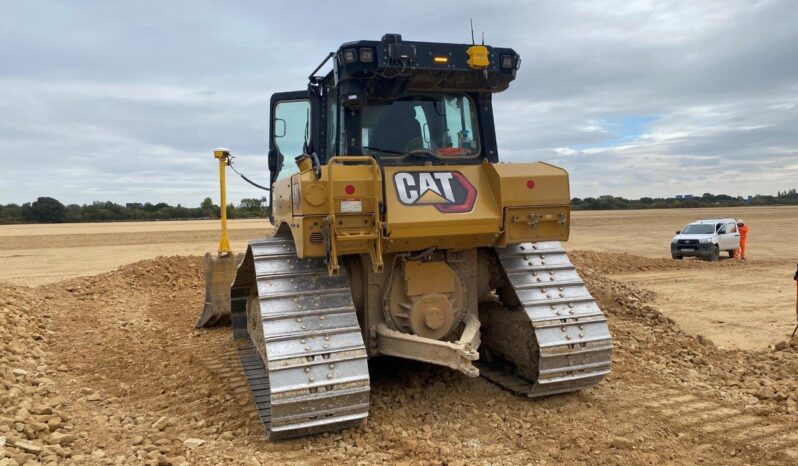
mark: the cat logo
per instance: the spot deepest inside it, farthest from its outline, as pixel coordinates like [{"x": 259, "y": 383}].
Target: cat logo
[{"x": 449, "y": 192}]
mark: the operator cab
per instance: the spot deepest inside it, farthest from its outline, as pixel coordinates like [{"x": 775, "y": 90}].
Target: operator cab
[{"x": 397, "y": 101}]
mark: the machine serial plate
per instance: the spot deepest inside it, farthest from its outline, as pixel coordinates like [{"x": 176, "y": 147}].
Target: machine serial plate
[{"x": 351, "y": 206}]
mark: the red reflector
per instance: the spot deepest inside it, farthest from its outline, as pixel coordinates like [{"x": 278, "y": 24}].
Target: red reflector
[
  {"x": 530, "y": 184},
  {"x": 349, "y": 189}
]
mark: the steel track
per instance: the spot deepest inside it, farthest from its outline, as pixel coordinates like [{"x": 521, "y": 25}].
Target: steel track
[
  {"x": 299, "y": 342},
  {"x": 572, "y": 341}
]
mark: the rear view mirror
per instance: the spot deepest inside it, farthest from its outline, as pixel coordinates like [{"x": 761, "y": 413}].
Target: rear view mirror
[
  {"x": 279, "y": 127},
  {"x": 678, "y": 232}
]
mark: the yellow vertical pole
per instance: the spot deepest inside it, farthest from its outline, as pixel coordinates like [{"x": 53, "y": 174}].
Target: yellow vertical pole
[{"x": 224, "y": 242}]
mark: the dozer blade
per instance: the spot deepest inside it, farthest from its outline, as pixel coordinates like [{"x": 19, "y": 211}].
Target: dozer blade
[{"x": 220, "y": 271}]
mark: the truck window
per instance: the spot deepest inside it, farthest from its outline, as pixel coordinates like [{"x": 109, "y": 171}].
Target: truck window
[{"x": 699, "y": 229}]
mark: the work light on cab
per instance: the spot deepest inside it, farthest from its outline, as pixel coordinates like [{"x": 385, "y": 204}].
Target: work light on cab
[
  {"x": 349, "y": 56},
  {"x": 366, "y": 55}
]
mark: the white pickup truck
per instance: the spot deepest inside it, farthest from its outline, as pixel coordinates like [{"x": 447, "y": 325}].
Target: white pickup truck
[{"x": 706, "y": 239}]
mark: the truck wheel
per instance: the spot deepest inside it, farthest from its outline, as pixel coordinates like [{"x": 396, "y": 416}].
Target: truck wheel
[
  {"x": 677, "y": 257},
  {"x": 731, "y": 253},
  {"x": 714, "y": 256}
]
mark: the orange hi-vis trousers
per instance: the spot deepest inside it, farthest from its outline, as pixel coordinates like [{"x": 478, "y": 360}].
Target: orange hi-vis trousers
[
  {"x": 739, "y": 253},
  {"x": 743, "y": 237}
]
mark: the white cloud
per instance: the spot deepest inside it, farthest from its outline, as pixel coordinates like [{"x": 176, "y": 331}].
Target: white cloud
[{"x": 566, "y": 151}]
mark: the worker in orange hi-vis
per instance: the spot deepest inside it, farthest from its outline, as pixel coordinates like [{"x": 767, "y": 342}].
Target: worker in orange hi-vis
[
  {"x": 743, "y": 229},
  {"x": 796, "y": 290},
  {"x": 795, "y": 277}
]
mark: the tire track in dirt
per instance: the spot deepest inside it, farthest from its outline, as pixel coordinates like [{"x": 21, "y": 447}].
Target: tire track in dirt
[{"x": 716, "y": 423}]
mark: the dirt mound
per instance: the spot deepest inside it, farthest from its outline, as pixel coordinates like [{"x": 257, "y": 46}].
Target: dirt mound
[
  {"x": 764, "y": 380},
  {"x": 614, "y": 263},
  {"x": 127, "y": 336},
  {"x": 136, "y": 383},
  {"x": 160, "y": 275}
]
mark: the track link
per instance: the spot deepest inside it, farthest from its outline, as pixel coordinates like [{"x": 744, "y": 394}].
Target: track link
[
  {"x": 558, "y": 339},
  {"x": 299, "y": 342}
]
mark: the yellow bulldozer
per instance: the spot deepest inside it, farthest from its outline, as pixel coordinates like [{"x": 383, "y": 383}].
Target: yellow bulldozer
[{"x": 398, "y": 232}]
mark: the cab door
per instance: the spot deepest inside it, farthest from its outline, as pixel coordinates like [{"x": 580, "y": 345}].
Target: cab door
[
  {"x": 734, "y": 236},
  {"x": 289, "y": 136},
  {"x": 726, "y": 237}
]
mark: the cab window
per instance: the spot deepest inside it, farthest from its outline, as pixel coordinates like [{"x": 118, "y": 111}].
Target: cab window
[
  {"x": 332, "y": 122},
  {"x": 291, "y": 132},
  {"x": 441, "y": 124}
]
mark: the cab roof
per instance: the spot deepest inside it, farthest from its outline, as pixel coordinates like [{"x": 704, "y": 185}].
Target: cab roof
[{"x": 392, "y": 66}]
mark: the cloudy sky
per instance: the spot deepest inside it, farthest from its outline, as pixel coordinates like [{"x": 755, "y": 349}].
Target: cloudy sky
[{"x": 125, "y": 101}]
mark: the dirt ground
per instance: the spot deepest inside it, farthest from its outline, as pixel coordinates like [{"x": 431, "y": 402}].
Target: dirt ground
[
  {"x": 649, "y": 232},
  {"x": 102, "y": 365},
  {"x": 40, "y": 254},
  {"x": 724, "y": 304},
  {"x": 748, "y": 308}
]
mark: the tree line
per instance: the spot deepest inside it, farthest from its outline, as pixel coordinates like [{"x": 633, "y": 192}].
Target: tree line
[
  {"x": 50, "y": 210},
  {"x": 789, "y": 197}
]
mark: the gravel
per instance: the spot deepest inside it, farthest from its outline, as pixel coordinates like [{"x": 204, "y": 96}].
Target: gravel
[{"x": 109, "y": 370}]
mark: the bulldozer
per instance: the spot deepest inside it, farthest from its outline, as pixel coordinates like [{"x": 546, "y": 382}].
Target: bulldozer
[{"x": 398, "y": 232}]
